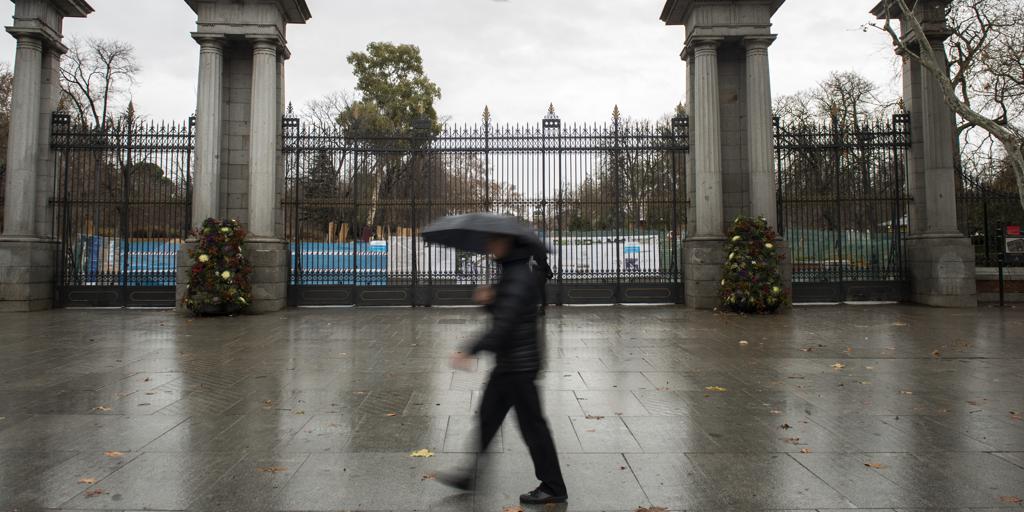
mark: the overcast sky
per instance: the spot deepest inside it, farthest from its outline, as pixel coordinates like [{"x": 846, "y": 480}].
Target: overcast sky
[{"x": 513, "y": 55}]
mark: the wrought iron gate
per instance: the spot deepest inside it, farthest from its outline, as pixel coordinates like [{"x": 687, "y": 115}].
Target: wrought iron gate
[
  {"x": 607, "y": 198},
  {"x": 122, "y": 206},
  {"x": 843, "y": 206}
]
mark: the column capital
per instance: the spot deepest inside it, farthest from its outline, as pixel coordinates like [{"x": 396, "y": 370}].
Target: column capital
[
  {"x": 28, "y": 37},
  {"x": 701, "y": 44},
  {"x": 209, "y": 41},
  {"x": 262, "y": 42},
  {"x": 753, "y": 43}
]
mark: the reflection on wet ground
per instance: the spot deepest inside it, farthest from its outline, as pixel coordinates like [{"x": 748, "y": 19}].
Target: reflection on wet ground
[{"x": 882, "y": 408}]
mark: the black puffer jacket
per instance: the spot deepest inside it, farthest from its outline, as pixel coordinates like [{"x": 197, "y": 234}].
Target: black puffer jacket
[{"x": 513, "y": 336}]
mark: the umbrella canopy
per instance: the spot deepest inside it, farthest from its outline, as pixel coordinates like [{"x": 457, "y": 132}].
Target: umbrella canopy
[{"x": 470, "y": 232}]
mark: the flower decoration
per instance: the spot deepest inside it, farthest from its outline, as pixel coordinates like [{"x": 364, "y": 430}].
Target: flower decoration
[
  {"x": 752, "y": 279},
  {"x": 219, "y": 278}
]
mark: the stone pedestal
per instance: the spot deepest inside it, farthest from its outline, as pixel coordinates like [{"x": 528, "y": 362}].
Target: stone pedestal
[
  {"x": 702, "y": 271},
  {"x": 942, "y": 271},
  {"x": 269, "y": 278},
  {"x": 270, "y": 274},
  {"x": 183, "y": 271},
  {"x": 26, "y": 273}
]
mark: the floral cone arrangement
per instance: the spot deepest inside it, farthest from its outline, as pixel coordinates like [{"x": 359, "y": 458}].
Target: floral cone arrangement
[
  {"x": 751, "y": 276},
  {"x": 219, "y": 281}
]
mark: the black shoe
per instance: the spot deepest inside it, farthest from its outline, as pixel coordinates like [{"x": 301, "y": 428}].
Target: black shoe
[
  {"x": 460, "y": 481},
  {"x": 539, "y": 496}
]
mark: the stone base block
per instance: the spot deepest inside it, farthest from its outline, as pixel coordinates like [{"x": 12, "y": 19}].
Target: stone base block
[
  {"x": 942, "y": 271},
  {"x": 183, "y": 266},
  {"x": 269, "y": 277},
  {"x": 27, "y": 274},
  {"x": 786, "y": 268},
  {"x": 702, "y": 271}
]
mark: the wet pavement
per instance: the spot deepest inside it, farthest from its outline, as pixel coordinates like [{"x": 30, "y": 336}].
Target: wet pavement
[{"x": 872, "y": 408}]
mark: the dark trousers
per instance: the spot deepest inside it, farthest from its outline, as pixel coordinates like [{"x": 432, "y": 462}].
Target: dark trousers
[{"x": 507, "y": 390}]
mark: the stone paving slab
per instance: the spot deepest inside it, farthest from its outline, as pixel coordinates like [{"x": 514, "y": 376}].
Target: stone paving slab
[{"x": 890, "y": 408}]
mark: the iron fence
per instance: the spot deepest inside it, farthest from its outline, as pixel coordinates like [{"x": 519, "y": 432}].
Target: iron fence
[
  {"x": 122, "y": 208},
  {"x": 843, "y": 205},
  {"x": 985, "y": 206},
  {"x": 607, "y": 198}
]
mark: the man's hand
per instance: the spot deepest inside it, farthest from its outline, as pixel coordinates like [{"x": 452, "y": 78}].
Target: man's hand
[
  {"x": 483, "y": 295},
  {"x": 462, "y": 361}
]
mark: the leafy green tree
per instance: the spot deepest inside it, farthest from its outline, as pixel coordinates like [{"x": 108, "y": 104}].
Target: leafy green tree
[{"x": 393, "y": 117}]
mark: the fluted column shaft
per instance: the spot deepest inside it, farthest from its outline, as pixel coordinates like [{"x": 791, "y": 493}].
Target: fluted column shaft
[
  {"x": 263, "y": 139},
  {"x": 706, "y": 136},
  {"x": 206, "y": 188},
  {"x": 759, "y": 131},
  {"x": 23, "y": 140}
]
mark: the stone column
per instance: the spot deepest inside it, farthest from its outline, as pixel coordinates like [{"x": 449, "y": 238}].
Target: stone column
[
  {"x": 940, "y": 259},
  {"x": 206, "y": 192},
  {"x": 263, "y": 128},
  {"x": 23, "y": 142},
  {"x": 268, "y": 253},
  {"x": 759, "y": 131},
  {"x": 940, "y": 176},
  {"x": 706, "y": 136},
  {"x": 704, "y": 246}
]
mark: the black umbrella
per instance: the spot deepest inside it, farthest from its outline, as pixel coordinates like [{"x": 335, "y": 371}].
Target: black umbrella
[{"x": 470, "y": 232}]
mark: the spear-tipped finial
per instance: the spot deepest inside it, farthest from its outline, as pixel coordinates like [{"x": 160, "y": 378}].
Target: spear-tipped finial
[
  {"x": 615, "y": 114},
  {"x": 291, "y": 108},
  {"x": 487, "y": 114},
  {"x": 551, "y": 108}
]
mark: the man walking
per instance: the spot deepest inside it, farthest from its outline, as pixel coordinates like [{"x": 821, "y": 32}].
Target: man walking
[{"x": 513, "y": 339}]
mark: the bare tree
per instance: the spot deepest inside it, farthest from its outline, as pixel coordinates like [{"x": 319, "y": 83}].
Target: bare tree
[
  {"x": 96, "y": 77},
  {"x": 325, "y": 110},
  {"x": 847, "y": 97},
  {"x": 987, "y": 82}
]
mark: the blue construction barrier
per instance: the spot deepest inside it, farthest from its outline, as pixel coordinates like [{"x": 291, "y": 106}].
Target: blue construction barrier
[{"x": 332, "y": 263}]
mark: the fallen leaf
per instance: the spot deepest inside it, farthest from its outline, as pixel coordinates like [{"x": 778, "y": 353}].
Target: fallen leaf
[
  {"x": 102, "y": 408},
  {"x": 785, "y": 426},
  {"x": 422, "y": 453},
  {"x": 591, "y": 430},
  {"x": 1010, "y": 499},
  {"x": 936, "y": 354},
  {"x": 1013, "y": 416},
  {"x": 92, "y": 493},
  {"x": 144, "y": 404},
  {"x": 430, "y": 476},
  {"x": 299, "y": 412},
  {"x": 807, "y": 349},
  {"x": 591, "y": 417},
  {"x": 147, "y": 379},
  {"x": 513, "y": 508},
  {"x": 390, "y": 414},
  {"x": 744, "y": 342},
  {"x": 805, "y": 450},
  {"x": 876, "y": 465},
  {"x": 272, "y": 469},
  {"x": 719, "y": 389},
  {"x": 114, "y": 454},
  {"x": 793, "y": 440},
  {"x": 651, "y": 509},
  {"x": 906, "y": 392},
  {"x": 773, "y": 412},
  {"x": 838, "y": 365},
  {"x": 87, "y": 481}
]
